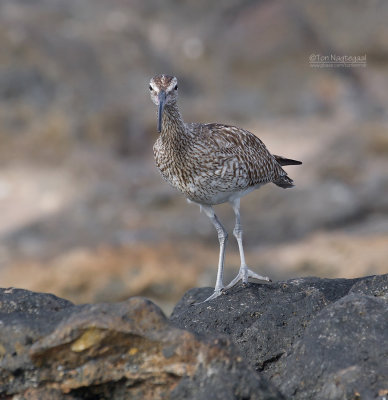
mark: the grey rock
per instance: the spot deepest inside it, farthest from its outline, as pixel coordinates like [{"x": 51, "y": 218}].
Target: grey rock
[
  {"x": 25, "y": 317},
  {"x": 343, "y": 353},
  {"x": 313, "y": 338},
  {"x": 262, "y": 320},
  {"x": 372, "y": 286}
]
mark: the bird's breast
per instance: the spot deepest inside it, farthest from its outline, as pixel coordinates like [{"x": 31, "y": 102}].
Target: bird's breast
[{"x": 201, "y": 175}]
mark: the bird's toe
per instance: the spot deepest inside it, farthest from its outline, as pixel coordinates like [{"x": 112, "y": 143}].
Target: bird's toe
[{"x": 215, "y": 294}]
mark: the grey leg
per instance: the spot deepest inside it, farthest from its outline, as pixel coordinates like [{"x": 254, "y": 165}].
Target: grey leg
[
  {"x": 244, "y": 273},
  {"x": 222, "y": 238}
]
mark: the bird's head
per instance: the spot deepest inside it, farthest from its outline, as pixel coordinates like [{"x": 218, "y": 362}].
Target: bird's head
[{"x": 163, "y": 91}]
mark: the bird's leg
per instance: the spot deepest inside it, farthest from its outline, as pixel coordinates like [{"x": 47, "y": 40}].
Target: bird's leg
[
  {"x": 244, "y": 273},
  {"x": 222, "y": 238}
]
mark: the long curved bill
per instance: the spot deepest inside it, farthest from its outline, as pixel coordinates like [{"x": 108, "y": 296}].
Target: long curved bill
[{"x": 162, "y": 101}]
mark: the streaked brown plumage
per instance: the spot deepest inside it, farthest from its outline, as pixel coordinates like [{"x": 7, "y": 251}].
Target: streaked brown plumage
[{"x": 212, "y": 164}]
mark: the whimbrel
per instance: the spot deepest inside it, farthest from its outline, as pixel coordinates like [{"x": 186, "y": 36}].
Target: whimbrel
[{"x": 213, "y": 164}]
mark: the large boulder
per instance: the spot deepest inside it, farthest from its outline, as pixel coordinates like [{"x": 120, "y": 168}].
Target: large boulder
[
  {"x": 343, "y": 354},
  {"x": 313, "y": 338},
  {"x": 52, "y": 349},
  {"x": 264, "y": 321}
]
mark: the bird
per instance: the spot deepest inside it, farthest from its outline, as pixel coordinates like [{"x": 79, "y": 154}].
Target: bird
[{"x": 212, "y": 163}]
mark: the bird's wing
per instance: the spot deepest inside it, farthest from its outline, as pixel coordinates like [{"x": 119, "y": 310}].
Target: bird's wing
[{"x": 241, "y": 152}]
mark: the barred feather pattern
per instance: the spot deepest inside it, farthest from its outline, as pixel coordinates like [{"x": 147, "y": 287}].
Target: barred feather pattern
[{"x": 213, "y": 163}]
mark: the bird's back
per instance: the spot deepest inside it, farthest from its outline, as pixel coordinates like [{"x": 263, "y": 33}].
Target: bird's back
[{"x": 239, "y": 154}]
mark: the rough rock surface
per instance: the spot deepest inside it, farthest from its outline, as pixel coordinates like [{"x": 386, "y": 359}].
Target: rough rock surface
[
  {"x": 306, "y": 338},
  {"x": 343, "y": 353},
  {"x": 313, "y": 338},
  {"x": 52, "y": 349}
]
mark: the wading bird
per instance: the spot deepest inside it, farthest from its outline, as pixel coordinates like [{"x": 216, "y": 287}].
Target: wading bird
[{"x": 212, "y": 164}]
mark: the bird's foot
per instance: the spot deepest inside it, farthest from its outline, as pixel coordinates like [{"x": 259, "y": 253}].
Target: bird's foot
[
  {"x": 243, "y": 274},
  {"x": 216, "y": 293}
]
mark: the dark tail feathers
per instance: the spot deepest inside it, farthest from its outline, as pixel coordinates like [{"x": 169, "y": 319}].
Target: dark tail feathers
[
  {"x": 286, "y": 161},
  {"x": 284, "y": 182}
]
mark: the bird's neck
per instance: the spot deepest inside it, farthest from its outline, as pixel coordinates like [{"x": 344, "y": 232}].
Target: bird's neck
[{"x": 173, "y": 126}]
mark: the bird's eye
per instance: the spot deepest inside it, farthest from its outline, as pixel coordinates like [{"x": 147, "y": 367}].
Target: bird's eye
[
  {"x": 151, "y": 88},
  {"x": 176, "y": 87}
]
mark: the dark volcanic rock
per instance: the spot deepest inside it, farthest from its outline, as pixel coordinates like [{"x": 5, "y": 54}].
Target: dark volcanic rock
[
  {"x": 25, "y": 317},
  {"x": 263, "y": 320},
  {"x": 343, "y": 353},
  {"x": 372, "y": 286},
  {"x": 296, "y": 333},
  {"x": 51, "y": 349}
]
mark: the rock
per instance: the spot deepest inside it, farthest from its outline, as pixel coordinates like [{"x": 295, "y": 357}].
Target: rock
[
  {"x": 313, "y": 338},
  {"x": 52, "y": 349},
  {"x": 306, "y": 338},
  {"x": 372, "y": 286},
  {"x": 25, "y": 317},
  {"x": 343, "y": 354},
  {"x": 262, "y": 320}
]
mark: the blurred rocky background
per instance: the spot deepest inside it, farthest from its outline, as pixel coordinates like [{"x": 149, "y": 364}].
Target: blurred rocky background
[{"x": 84, "y": 212}]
